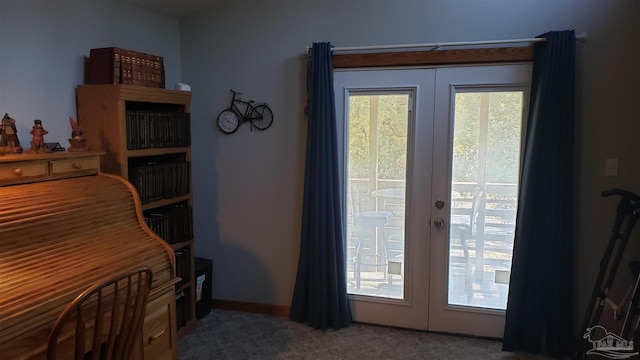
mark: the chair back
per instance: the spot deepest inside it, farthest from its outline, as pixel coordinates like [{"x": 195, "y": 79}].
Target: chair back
[
  {"x": 478, "y": 194},
  {"x": 465, "y": 223},
  {"x": 105, "y": 321},
  {"x": 354, "y": 202}
]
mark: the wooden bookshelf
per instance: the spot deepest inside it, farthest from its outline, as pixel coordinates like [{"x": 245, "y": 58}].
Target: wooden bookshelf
[{"x": 133, "y": 126}]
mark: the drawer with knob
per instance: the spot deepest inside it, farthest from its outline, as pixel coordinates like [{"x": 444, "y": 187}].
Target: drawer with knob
[
  {"x": 26, "y": 168},
  {"x": 157, "y": 332},
  {"x": 22, "y": 171},
  {"x": 59, "y": 167}
]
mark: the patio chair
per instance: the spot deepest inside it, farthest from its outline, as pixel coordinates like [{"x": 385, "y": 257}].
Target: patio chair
[
  {"x": 371, "y": 237},
  {"x": 464, "y": 228}
]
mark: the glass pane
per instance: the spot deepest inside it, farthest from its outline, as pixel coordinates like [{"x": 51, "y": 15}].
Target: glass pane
[
  {"x": 376, "y": 174},
  {"x": 485, "y": 170}
]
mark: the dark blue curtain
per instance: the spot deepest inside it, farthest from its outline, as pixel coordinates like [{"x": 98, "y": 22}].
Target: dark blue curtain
[
  {"x": 540, "y": 307},
  {"x": 320, "y": 294}
]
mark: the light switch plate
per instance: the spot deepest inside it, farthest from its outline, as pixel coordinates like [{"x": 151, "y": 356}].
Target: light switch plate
[{"x": 611, "y": 167}]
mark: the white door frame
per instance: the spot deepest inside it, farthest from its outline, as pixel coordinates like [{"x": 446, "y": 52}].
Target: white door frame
[
  {"x": 410, "y": 312},
  {"x": 426, "y": 247},
  {"x": 444, "y": 317}
]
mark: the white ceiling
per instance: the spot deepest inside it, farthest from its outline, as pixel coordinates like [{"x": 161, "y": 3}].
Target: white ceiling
[{"x": 176, "y": 8}]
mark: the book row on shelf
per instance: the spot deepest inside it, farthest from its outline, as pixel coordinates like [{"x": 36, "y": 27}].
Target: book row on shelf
[
  {"x": 157, "y": 129},
  {"x": 183, "y": 266},
  {"x": 160, "y": 180},
  {"x": 184, "y": 297},
  {"x": 173, "y": 223},
  {"x": 113, "y": 65},
  {"x": 182, "y": 309}
]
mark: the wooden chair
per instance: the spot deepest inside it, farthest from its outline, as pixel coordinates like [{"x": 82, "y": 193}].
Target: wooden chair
[{"x": 106, "y": 318}]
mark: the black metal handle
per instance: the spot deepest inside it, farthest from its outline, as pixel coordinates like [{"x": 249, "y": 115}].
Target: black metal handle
[{"x": 624, "y": 193}]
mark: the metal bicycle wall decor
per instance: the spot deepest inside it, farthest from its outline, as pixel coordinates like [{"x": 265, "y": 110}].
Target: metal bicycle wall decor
[{"x": 259, "y": 115}]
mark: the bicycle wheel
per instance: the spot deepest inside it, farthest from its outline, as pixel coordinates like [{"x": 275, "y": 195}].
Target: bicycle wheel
[
  {"x": 261, "y": 117},
  {"x": 228, "y": 121}
]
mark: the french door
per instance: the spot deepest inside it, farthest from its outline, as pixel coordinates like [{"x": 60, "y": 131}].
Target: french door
[{"x": 430, "y": 175}]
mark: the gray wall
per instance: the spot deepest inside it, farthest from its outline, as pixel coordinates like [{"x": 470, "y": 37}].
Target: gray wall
[
  {"x": 248, "y": 186},
  {"x": 43, "y": 46}
]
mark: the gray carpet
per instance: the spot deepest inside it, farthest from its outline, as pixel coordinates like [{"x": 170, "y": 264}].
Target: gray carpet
[{"x": 237, "y": 335}]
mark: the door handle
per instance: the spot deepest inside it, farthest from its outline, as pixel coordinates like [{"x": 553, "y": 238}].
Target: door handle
[{"x": 438, "y": 222}]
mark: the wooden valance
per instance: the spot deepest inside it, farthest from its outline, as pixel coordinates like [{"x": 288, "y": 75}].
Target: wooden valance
[{"x": 494, "y": 55}]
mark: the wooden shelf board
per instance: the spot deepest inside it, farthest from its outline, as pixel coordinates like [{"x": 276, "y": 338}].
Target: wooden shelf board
[
  {"x": 157, "y": 151},
  {"x": 164, "y": 202}
]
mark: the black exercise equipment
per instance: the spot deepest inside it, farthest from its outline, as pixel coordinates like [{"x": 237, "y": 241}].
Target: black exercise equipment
[{"x": 627, "y": 214}]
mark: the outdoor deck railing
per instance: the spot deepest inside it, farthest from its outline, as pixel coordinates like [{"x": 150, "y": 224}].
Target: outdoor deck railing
[{"x": 498, "y": 207}]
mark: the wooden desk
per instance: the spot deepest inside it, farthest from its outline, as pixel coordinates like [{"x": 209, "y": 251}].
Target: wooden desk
[{"x": 64, "y": 225}]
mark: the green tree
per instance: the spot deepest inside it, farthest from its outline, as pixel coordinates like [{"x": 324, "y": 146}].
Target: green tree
[
  {"x": 391, "y": 125},
  {"x": 501, "y": 136}
]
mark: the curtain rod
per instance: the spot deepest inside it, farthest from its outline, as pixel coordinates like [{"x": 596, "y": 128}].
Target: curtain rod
[{"x": 436, "y": 46}]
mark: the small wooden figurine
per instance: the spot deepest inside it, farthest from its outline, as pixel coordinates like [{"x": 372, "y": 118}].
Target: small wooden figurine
[
  {"x": 78, "y": 141},
  {"x": 37, "y": 142},
  {"x": 9, "y": 136}
]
